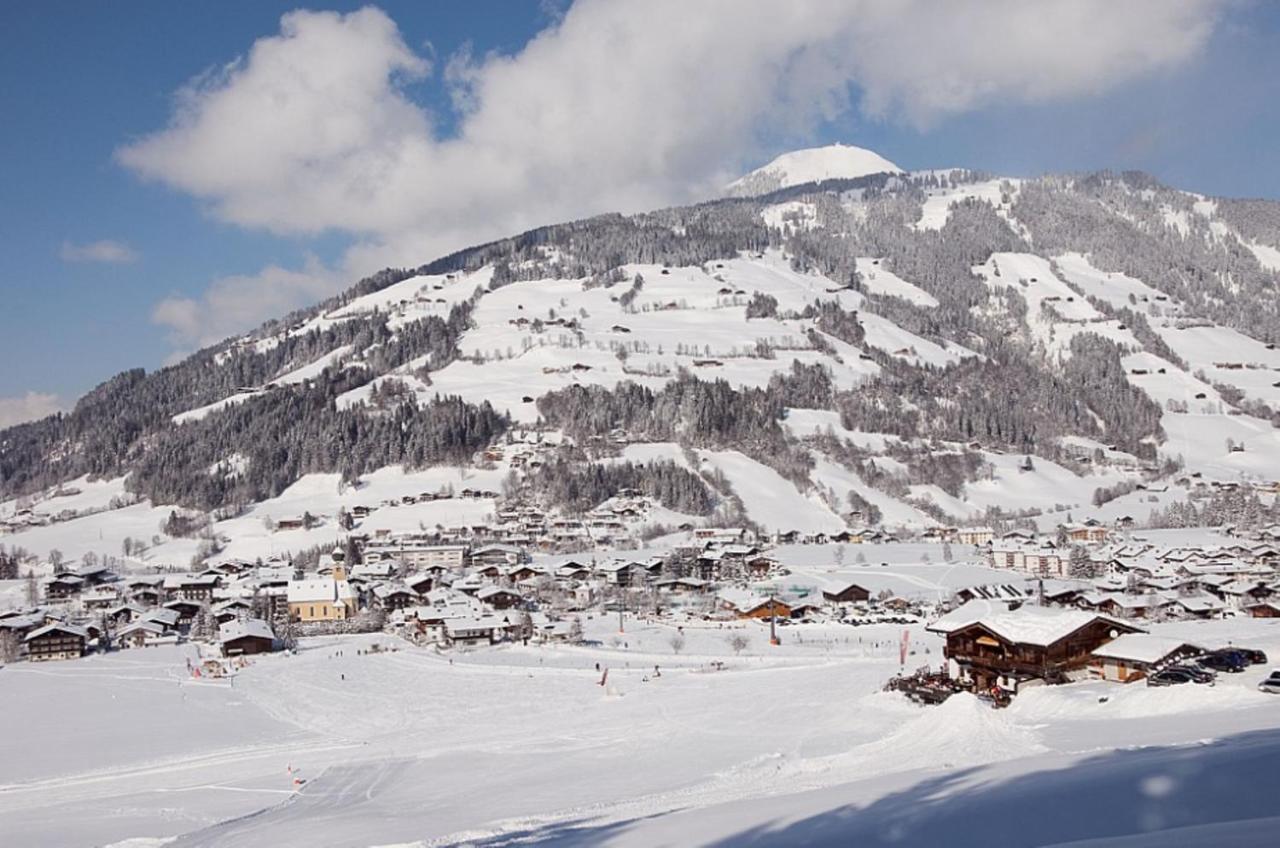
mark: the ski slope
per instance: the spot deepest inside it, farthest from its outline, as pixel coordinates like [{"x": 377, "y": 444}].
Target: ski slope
[{"x": 520, "y": 745}]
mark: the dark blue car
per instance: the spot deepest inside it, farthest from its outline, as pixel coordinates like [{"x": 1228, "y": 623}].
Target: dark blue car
[{"x": 1229, "y": 661}]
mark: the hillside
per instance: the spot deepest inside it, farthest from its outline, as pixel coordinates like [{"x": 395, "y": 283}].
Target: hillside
[{"x": 885, "y": 348}]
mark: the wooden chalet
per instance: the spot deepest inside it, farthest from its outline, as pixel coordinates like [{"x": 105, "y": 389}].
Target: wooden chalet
[
  {"x": 63, "y": 586},
  {"x": 852, "y": 593},
  {"x": 992, "y": 646},
  {"x": 56, "y": 641},
  {"x": 252, "y": 636}
]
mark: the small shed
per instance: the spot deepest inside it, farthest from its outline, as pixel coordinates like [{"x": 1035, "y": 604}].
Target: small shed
[{"x": 1132, "y": 656}]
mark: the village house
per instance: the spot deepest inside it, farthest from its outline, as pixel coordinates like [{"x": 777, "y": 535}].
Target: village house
[
  {"x": 975, "y": 536},
  {"x": 122, "y": 614},
  {"x": 616, "y": 572},
  {"x": 849, "y": 594},
  {"x": 453, "y": 557},
  {"x": 421, "y": 583},
  {"x": 1266, "y": 609},
  {"x": 381, "y": 569},
  {"x": 186, "y": 610},
  {"x": 747, "y": 605},
  {"x": 230, "y": 610},
  {"x": 56, "y": 641},
  {"x": 991, "y": 646},
  {"x": 496, "y": 555},
  {"x": 188, "y": 587},
  {"x": 681, "y": 585},
  {"x": 166, "y": 618},
  {"x": 62, "y": 587},
  {"x": 250, "y": 636},
  {"x": 391, "y": 596},
  {"x": 97, "y": 598},
  {"x": 472, "y": 631},
  {"x": 760, "y": 567},
  {"x": 143, "y": 634},
  {"x": 1090, "y": 532},
  {"x": 498, "y": 597},
  {"x": 1241, "y": 594},
  {"x": 1149, "y": 605},
  {"x": 1002, "y": 592}
]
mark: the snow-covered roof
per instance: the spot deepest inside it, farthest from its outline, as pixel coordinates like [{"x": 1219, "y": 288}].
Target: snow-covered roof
[
  {"x": 147, "y": 626},
  {"x": 1199, "y": 603},
  {"x": 1141, "y": 647},
  {"x": 320, "y": 589},
  {"x": 164, "y": 616},
  {"x": 254, "y": 627},
  {"x": 1028, "y": 625},
  {"x": 454, "y": 626},
  {"x": 58, "y": 626},
  {"x": 386, "y": 590},
  {"x": 491, "y": 591}
]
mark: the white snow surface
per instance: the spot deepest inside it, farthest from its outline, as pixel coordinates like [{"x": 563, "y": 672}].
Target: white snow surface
[
  {"x": 514, "y": 745},
  {"x": 835, "y": 161}
]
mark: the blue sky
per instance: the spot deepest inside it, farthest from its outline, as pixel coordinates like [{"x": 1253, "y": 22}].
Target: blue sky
[{"x": 83, "y": 80}]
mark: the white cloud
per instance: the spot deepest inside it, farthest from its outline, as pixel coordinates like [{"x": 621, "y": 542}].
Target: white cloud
[
  {"x": 113, "y": 252},
  {"x": 28, "y": 407},
  {"x": 235, "y": 303},
  {"x": 615, "y": 106}
]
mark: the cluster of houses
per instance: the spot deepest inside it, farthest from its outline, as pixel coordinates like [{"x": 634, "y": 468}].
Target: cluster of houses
[
  {"x": 1137, "y": 579},
  {"x": 93, "y": 608},
  {"x": 448, "y": 594}
]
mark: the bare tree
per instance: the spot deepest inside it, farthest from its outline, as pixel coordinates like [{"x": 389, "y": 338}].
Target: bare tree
[
  {"x": 738, "y": 642},
  {"x": 677, "y": 642}
]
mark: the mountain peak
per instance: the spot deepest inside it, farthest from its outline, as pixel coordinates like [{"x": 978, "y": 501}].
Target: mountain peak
[{"x": 832, "y": 162}]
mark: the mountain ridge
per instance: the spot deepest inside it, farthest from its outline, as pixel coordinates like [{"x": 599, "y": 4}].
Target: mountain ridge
[{"x": 845, "y": 336}]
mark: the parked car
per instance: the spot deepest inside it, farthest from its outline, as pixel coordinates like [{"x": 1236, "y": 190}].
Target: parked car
[
  {"x": 1169, "y": 677},
  {"x": 1198, "y": 675},
  {"x": 1271, "y": 683},
  {"x": 1232, "y": 662},
  {"x": 1253, "y": 655}
]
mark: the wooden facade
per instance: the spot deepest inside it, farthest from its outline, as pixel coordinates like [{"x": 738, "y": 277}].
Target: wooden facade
[
  {"x": 56, "y": 642},
  {"x": 767, "y": 609},
  {"x": 989, "y": 659}
]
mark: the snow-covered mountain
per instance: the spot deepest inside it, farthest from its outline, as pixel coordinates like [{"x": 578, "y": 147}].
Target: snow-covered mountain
[
  {"x": 886, "y": 348},
  {"x": 814, "y": 164}
]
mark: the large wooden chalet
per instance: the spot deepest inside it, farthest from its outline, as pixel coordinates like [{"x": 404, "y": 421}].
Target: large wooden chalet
[
  {"x": 56, "y": 641},
  {"x": 992, "y": 646}
]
